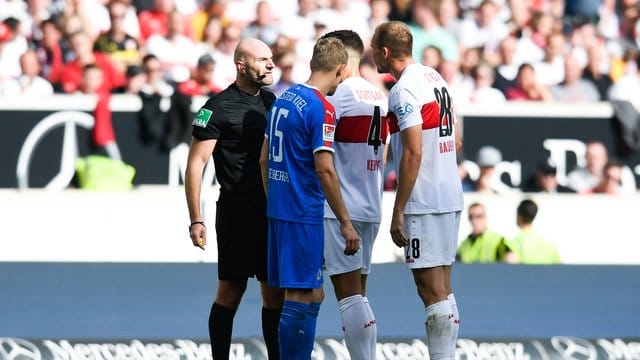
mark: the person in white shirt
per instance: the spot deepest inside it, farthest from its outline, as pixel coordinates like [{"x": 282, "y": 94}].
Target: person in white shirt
[
  {"x": 426, "y": 213},
  {"x": 29, "y": 83},
  {"x": 482, "y": 92},
  {"x": 359, "y": 158}
]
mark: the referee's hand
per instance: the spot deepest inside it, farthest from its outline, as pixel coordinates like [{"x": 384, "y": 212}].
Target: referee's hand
[
  {"x": 352, "y": 239},
  {"x": 198, "y": 234}
]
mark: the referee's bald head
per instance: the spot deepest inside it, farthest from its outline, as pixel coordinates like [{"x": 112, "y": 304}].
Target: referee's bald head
[{"x": 249, "y": 47}]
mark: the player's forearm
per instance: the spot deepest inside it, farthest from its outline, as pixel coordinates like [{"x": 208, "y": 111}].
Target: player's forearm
[
  {"x": 192, "y": 186},
  {"x": 331, "y": 187},
  {"x": 409, "y": 167}
]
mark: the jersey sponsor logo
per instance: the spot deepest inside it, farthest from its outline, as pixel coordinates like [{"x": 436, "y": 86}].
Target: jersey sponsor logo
[
  {"x": 329, "y": 131},
  {"x": 202, "y": 118},
  {"x": 405, "y": 110}
]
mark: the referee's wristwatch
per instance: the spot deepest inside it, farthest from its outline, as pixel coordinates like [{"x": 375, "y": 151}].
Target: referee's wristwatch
[{"x": 196, "y": 222}]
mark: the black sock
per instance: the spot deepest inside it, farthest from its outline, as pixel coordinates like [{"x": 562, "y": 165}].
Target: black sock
[
  {"x": 270, "y": 322},
  {"x": 220, "y": 327}
]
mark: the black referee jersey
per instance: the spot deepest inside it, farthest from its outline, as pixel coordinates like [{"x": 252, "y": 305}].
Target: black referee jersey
[{"x": 238, "y": 121}]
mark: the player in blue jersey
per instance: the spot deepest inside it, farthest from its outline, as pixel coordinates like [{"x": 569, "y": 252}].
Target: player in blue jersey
[{"x": 298, "y": 173}]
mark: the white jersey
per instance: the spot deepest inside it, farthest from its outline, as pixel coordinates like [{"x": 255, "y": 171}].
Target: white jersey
[
  {"x": 421, "y": 98},
  {"x": 361, "y": 134}
]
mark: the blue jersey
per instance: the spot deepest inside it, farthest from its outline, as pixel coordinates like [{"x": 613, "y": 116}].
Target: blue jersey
[{"x": 300, "y": 122}]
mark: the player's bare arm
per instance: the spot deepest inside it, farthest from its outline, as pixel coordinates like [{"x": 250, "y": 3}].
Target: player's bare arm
[
  {"x": 408, "y": 167},
  {"x": 199, "y": 153},
  {"x": 329, "y": 180},
  {"x": 264, "y": 163},
  {"x": 458, "y": 130}
]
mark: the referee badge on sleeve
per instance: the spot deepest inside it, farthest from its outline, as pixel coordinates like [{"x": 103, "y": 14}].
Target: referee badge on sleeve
[{"x": 202, "y": 118}]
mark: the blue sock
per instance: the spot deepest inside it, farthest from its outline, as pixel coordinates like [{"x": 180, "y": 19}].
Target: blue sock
[
  {"x": 312, "y": 320},
  {"x": 293, "y": 331}
]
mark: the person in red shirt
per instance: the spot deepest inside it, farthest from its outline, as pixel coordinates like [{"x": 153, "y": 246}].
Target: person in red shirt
[
  {"x": 71, "y": 75},
  {"x": 201, "y": 81}
]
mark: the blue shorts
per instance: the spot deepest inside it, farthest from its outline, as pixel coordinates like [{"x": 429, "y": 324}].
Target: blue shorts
[{"x": 295, "y": 254}]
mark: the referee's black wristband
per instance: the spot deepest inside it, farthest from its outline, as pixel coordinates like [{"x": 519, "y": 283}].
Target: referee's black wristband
[{"x": 196, "y": 222}]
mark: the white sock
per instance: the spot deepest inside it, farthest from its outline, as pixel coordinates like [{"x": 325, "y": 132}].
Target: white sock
[
  {"x": 357, "y": 329},
  {"x": 374, "y": 326},
  {"x": 439, "y": 330},
  {"x": 456, "y": 324}
]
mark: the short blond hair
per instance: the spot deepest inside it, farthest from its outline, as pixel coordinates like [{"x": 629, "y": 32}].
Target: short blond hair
[
  {"x": 395, "y": 36},
  {"x": 328, "y": 54}
]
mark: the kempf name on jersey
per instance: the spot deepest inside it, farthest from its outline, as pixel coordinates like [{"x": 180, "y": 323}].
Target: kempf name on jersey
[
  {"x": 373, "y": 165},
  {"x": 447, "y": 146}
]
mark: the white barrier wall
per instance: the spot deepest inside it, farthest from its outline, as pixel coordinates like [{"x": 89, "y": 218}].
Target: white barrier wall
[{"x": 149, "y": 224}]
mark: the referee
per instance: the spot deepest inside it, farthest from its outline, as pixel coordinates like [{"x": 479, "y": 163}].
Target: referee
[{"x": 231, "y": 127}]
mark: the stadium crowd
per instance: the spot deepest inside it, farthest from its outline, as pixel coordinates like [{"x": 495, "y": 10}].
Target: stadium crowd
[{"x": 488, "y": 50}]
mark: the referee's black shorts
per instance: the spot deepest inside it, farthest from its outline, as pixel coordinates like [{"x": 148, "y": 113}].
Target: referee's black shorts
[{"x": 241, "y": 227}]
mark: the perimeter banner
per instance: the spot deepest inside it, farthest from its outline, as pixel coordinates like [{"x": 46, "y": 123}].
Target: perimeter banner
[{"x": 558, "y": 347}]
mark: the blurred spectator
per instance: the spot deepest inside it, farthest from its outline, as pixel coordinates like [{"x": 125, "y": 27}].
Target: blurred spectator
[
  {"x": 628, "y": 87},
  {"x": 527, "y": 87},
  {"x": 450, "y": 17},
  {"x": 91, "y": 16},
  {"x": 285, "y": 63},
  {"x": 485, "y": 29},
  {"x": 530, "y": 48},
  {"x": 301, "y": 25},
  {"x": 597, "y": 70},
  {"x": 426, "y": 30},
  {"x": 611, "y": 181},
  {"x": 401, "y": 10},
  {"x": 117, "y": 43},
  {"x": 71, "y": 74},
  {"x": 51, "y": 50},
  {"x": 584, "y": 178},
  {"x": 550, "y": 71},
  {"x": 482, "y": 245},
  {"x": 545, "y": 180},
  {"x": 506, "y": 70},
  {"x": 223, "y": 56},
  {"x": 29, "y": 83},
  {"x": 177, "y": 52},
  {"x": 380, "y": 10},
  {"x": 346, "y": 14},
  {"x": 135, "y": 79},
  {"x": 528, "y": 247},
  {"x": 465, "y": 178},
  {"x": 155, "y": 94},
  {"x": 155, "y": 21},
  {"x": 201, "y": 81},
  {"x": 574, "y": 88},
  {"x": 431, "y": 56},
  {"x": 211, "y": 36},
  {"x": 487, "y": 159},
  {"x": 482, "y": 92},
  {"x": 263, "y": 27},
  {"x": 102, "y": 133},
  {"x": 12, "y": 46},
  {"x": 471, "y": 57},
  {"x": 211, "y": 9}
]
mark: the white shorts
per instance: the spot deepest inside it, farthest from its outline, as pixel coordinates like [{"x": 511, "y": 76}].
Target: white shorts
[
  {"x": 433, "y": 239},
  {"x": 335, "y": 261}
]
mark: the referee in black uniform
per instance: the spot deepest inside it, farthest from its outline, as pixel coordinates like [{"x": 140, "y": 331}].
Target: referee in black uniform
[{"x": 231, "y": 125}]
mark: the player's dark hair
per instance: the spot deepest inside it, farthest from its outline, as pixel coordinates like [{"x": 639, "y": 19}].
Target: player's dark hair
[
  {"x": 527, "y": 211},
  {"x": 349, "y": 38}
]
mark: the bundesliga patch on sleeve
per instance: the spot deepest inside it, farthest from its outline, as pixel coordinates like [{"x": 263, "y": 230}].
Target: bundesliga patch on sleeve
[
  {"x": 202, "y": 118},
  {"x": 329, "y": 130}
]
